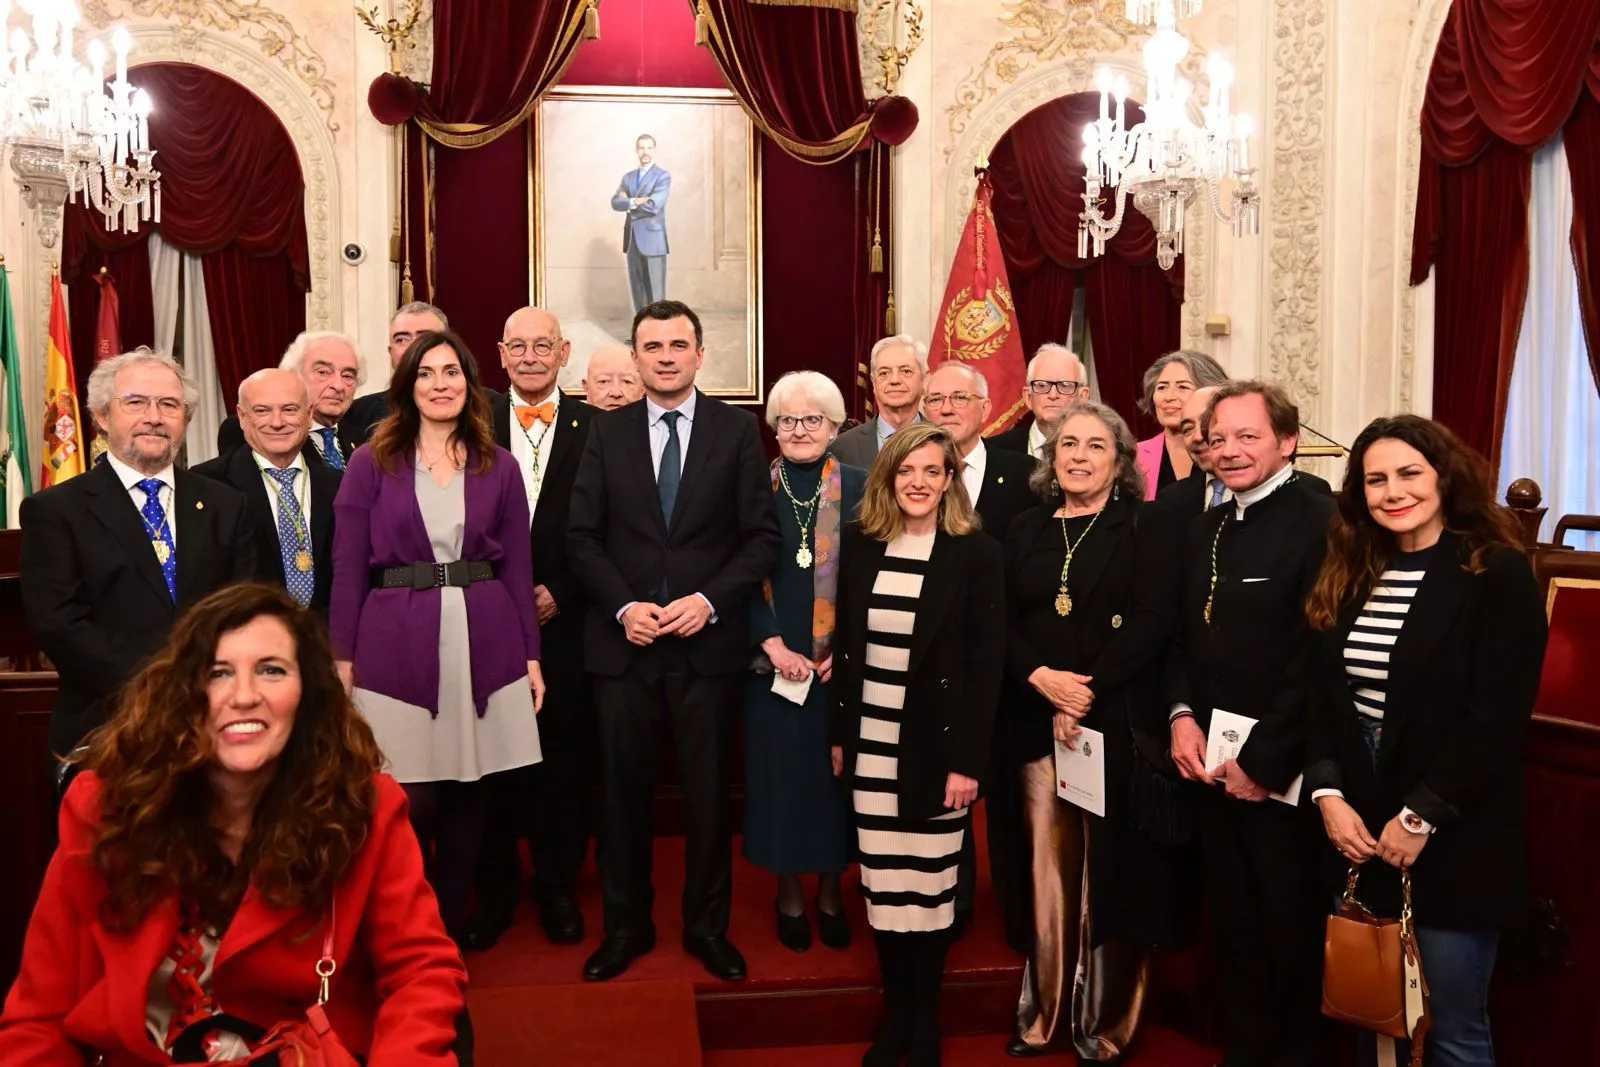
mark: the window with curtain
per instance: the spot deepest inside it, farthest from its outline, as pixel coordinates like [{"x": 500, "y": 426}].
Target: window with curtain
[{"x": 1552, "y": 428}]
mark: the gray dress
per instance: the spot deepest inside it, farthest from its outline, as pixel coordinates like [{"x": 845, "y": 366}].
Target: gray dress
[{"x": 457, "y": 745}]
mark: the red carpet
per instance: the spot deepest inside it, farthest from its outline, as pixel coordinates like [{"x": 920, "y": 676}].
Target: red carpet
[
  {"x": 1156, "y": 1048},
  {"x": 592, "y": 1024}
]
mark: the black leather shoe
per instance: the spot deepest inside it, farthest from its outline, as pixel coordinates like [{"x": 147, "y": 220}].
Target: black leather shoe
[
  {"x": 614, "y": 955},
  {"x": 794, "y": 931},
  {"x": 721, "y": 959},
  {"x": 833, "y": 929},
  {"x": 482, "y": 929},
  {"x": 561, "y": 919},
  {"x": 1018, "y": 1047}
]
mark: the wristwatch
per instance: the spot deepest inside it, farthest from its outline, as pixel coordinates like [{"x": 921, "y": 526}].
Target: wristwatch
[{"x": 1415, "y": 823}]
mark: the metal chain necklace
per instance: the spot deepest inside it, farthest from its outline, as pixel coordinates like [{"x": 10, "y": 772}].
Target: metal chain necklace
[
  {"x": 802, "y": 557},
  {"x": 1063, "y": 598}
]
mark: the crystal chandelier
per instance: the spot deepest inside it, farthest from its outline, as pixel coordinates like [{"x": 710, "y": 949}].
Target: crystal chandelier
[
  {"x": 68, "y": 132},
  {"x": 1166, "y": 161}
]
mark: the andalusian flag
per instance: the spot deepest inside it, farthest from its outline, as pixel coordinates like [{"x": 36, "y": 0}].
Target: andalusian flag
[
  {"x": 63, "y": 431},
  {"x": 14, "y": 466}
]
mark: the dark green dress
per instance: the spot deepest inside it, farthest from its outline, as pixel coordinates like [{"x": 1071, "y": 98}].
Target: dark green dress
[{"x": 796, "y": 815}]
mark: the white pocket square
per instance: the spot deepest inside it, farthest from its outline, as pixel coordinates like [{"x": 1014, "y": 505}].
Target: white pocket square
[{"x": 1248, "y": 580}]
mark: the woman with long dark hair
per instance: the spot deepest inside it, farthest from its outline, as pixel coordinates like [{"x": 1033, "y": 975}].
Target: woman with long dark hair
[
  {"x": 1432, "y": 641},
  {"x": 228, "y": 839},
  {"x": 432, "y": 614}
]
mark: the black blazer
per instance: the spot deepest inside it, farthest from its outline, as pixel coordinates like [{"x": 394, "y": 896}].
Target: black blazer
[
  {"x": 1255, "y": 657},
  {"x": 1005, "y": 493},
  {"x": 552, "y": 566},
  {"x": 365, "y": 413},
  {"x": 722, "y": 541},
  {"x": 1014, "y": 439},
  {"x": 238, "y": 469},
  {"x": 957, "y": 661},
  {"x": 92, "y": 589},
  {"x": 230, "y": 438},
  {"x": 1463, "y": 675}
]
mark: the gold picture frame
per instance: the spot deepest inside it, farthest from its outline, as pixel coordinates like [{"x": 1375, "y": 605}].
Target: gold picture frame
[{"x": 707, "y": 151}]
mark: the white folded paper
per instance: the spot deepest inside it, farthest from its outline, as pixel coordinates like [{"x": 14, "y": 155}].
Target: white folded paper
[
  {"x": 1081, "y": 772},
  {"x": 1228, "y": 735},
  {"x": 790, "y": 690}
]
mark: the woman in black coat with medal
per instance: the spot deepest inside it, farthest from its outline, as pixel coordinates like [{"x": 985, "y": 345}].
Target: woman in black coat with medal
[{"x": 1089, "y": 609}]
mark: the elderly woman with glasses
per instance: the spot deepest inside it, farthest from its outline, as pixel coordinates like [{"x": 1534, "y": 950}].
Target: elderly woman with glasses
[
  {"x": 1165, "y": 458},
  {"x": 796, "y": 821}
]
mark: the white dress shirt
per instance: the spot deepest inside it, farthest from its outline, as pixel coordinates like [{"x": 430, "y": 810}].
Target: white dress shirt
[
  {"x": 532, "y": 446},
  {"x": 972, "y": 469},
  {"x": 130, "y": 479},
  {"x": 658, "y": 430},
  {"x": 1036, "y": 439},
  {"x": 301, "y": 485},
  {"x": 1211, "y": 487}
]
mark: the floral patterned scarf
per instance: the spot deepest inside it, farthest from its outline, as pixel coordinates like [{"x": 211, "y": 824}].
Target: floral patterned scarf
[{"x": 825, "y": 549}]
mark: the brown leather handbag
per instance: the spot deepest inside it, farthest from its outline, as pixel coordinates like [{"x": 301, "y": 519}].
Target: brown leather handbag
[{"x": 1372, "y": 972}]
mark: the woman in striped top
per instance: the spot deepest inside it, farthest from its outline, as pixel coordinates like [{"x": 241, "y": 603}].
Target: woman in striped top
[
  {"x": 1433, "y": 638},
  {"x": 920, "y": 646}
]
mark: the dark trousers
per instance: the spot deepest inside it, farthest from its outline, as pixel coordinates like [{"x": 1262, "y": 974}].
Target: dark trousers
[
  {"x": 448, "y": 818},
  {"x": 658, "y": 693},
  {"x": 1008, "y": 856},
  {"x": 1268, "y": 924},
  {"x": 549, "y": 804}
]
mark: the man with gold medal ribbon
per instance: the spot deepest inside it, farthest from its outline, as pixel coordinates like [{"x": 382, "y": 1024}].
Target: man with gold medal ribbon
[{"x": 290, "y": 500}]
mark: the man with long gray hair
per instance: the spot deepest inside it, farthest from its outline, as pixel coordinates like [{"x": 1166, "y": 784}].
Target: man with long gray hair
[{"x": 111, "y": 557}]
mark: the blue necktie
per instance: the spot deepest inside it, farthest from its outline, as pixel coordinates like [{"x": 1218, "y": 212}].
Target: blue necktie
[
  {"x": 155, "y": 524},
  {"x": 292, "y": 545},
  {"x": 1217, "y": 489},
  {"x": 330, "y": 448},
  {"x": 671, "y": 471}
]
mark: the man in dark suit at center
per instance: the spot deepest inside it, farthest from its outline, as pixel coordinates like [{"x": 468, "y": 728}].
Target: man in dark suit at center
[
  {"x": 672, "y": 532},
  {"x": 956, "y": 396},
  {"x": 290, "y": 498},
  {"x": 548, "y": 802},
  {"x": 111, "y": 557}
]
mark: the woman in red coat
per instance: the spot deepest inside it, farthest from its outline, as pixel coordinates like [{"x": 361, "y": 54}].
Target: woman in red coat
[{"x": 229, "y": 814}]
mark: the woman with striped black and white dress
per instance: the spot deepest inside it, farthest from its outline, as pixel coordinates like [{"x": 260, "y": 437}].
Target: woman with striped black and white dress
[
  {"x": 920, "y": 641},
  {"x": 1433, "y": 637}
]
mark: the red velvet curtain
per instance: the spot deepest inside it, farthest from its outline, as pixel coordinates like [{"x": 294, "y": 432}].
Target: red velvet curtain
[
  {"x": 231, "y": 191},
  {"x": 1134, "y": 307},
  {"x": 1507, "y": 76}
]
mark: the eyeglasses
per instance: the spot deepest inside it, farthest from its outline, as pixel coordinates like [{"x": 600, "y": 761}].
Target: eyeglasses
[
  {"x": 787, "y": 423},
  {"x": 957, "y": 400},
  {"x": 1040, "y": 387},
  {"x": 517, "y": 348},
  {"x": 134, "y": 404}
]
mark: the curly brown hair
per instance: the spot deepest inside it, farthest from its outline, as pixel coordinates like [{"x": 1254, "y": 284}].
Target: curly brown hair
[
  {"x": 155, "y": 835},
  {"x": 396, "y": 435},
  {"x": 1359, "y": 549}
]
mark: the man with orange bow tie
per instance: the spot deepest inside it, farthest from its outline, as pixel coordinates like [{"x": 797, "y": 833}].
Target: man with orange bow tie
[{"x": 548, "y": 803}]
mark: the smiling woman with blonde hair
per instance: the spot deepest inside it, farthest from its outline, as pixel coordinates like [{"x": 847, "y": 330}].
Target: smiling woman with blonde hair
[{"x": 920, "y": 650}]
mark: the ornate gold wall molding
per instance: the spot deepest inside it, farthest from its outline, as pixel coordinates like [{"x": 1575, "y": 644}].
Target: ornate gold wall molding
[
  {"x": 1297, "y": 202},
  {"x": 1426, "y": 29},
  {"x": 246, "y": 20},
  {"x": 301, "y": 116}
]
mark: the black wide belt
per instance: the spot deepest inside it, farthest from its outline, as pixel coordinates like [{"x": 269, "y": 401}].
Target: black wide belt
[{"x": 461, "y": 573}]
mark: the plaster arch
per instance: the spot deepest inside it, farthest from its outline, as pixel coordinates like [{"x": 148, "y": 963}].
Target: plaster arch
[
  {"x": 995, "y": 116},
  {"x": 1414, "y": 339},
  {"x": 301, "y": 119}
]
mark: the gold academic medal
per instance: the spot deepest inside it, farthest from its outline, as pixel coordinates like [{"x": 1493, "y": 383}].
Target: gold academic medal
[
  {"x": 163, "y": 553},
  {"x": 1063, "y": 603},
  {"x": 302, "y": 561},
  {"x": 803, "y": 557}
]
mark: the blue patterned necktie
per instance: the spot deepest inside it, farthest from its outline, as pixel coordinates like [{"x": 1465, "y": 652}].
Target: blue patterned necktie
[
  {"x": 671, "y": 471},
  {"x": 298, "y": 576},
  {"x": 330, "y": 448},
  {"x": 160, "y": 532},
  {"x": 1217, "y": 489}
]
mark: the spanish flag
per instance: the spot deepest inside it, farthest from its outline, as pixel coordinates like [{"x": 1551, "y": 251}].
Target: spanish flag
[
  {"x": 978, "y": 323},
  {"x": 63, "y": 431}
]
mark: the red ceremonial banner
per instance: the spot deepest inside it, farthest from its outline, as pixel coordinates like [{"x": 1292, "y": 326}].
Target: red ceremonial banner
[{"x": 978, "y": 321}]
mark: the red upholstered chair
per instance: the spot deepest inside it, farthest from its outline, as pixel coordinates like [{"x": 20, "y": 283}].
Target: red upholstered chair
[{"x": 1570, "y": 685}]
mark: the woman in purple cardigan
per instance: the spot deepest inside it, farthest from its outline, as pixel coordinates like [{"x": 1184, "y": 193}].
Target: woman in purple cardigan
[{"x": 432, "y": 615}]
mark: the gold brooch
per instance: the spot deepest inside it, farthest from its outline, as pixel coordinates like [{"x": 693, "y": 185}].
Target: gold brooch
[
  {"x": 1116, "y": 622},
  {"x": 199, "y": 505}
]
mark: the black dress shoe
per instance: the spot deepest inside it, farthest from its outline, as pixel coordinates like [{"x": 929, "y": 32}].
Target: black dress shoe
[
  {"x": 482, "y": 929},
  {"x": 1018, "y": 1047},
  {"x": 561, "y": 919},
  {"x": 794, "y": 931},
  {"x": 721, "y": 959},
  {"x": 833, "y": 928},
  {"x": 614, "y": 955}
]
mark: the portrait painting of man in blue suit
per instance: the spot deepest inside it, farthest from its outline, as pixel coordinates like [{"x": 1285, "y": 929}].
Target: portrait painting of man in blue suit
[{"x": 642, "y": 194}]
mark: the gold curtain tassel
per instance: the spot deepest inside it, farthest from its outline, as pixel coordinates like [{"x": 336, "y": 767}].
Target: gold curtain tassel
[
  {"x": 889, "y": 316},
  {"x": 702, "y": 25},
  {"x": 408, "y": 292},
  {"x": 591, "y": 22},
  {"x": 875, "y": 259}
]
